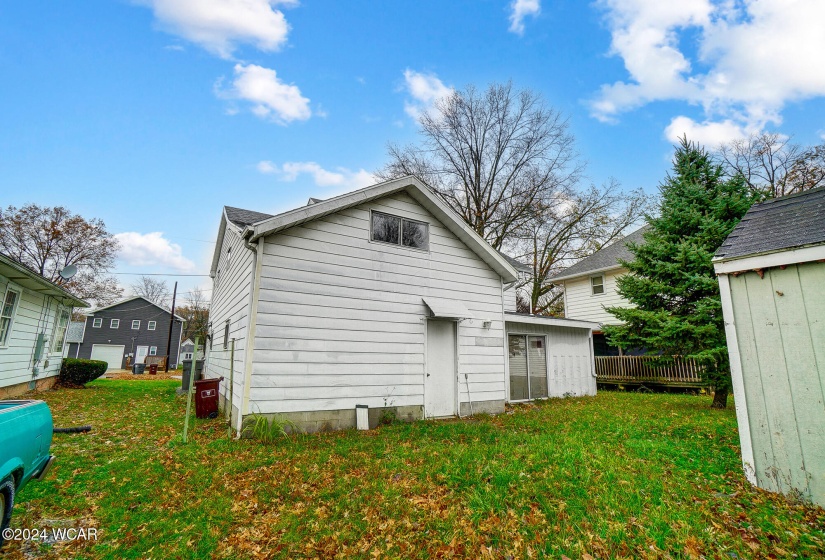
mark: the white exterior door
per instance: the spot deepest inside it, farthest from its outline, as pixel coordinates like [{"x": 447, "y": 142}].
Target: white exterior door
[
  {"x": 112, "y": 354},
  {"x": 440, "y": 381},
  {"x": 140, "y": 354}
]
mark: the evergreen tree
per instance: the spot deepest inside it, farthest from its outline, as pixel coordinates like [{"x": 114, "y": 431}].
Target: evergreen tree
[{"x": 677, "y": 308}]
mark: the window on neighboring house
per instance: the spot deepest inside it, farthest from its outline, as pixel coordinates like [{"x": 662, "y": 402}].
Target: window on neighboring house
[
  {"x": 187, "y": 355},
  {"x": 10, "y": 301},
  {"x": 226, "y": 335},
  {"x": 153, "y": 350},
  {"x": 151, "y": 325},
  {"x": 395, "y": 230},
  {"x": 136, "y": 325},
  {"x": 60, "y": 326},
  {"x": 597, "y": 285},
  {"x": 114, "y": 324},
  {"x": 97, "y": 322}
]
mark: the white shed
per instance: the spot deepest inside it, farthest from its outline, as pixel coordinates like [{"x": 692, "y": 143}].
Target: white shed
[{"x": 771, "y": 275}]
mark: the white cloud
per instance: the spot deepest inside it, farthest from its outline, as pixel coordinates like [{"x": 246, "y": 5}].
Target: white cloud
[
  {"x": 708, "y": 133},
  {"x": 151, "y": 249},
  {"x": 271, "y": 98},
  {"x": 219, "y": 25},
  {"x": 752, "y": 57},
  {"x": 521, "y": 9},
  {"x": 425, "y": 90},
  {"x": 341, "y": 177}
]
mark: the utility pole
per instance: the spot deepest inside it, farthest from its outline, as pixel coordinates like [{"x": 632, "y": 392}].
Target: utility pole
[{"x": 171, "y": 325}]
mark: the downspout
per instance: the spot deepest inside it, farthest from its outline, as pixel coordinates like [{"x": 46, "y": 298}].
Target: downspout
[{"x": 252, "y": 321}]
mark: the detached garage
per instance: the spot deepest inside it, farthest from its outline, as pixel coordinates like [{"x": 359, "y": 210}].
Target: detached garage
[{"x": 771, "y": 275}]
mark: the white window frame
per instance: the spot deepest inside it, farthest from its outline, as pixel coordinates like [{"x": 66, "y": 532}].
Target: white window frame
[
  {"x": 593, "y": 285},
  {"x": 61, "y": 311},
  {"x": 97, "y": 322},
  {"x": 187, "y": 355},
  {"x": 401, "y": 220},
  {"x": 226, "y": 335},
  {"x": 135, "y": 328},
  {"x": 151, "y": 325},
  {"x": 114, "y": 324},
  {"x": 527, "y": 336},
  {"x": 153, "y": 350},
  {"x": 19, "y": 291}
]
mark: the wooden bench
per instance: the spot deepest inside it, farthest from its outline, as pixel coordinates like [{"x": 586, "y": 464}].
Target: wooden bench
[{"x": 159, "y": 360}]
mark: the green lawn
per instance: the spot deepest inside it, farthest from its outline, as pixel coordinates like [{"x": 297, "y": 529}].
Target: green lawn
[{"x": 619, "y": 475}]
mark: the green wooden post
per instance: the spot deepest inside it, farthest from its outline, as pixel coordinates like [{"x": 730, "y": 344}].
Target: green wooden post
[
  {"x": 191, "y": 390},
  {"x": 231, "y": 387}
]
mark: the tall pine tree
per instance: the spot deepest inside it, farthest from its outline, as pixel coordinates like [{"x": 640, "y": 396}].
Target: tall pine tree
[{"x": 677, "y": 309}]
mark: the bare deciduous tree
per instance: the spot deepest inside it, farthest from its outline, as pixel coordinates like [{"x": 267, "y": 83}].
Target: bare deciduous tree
[
  {"x": 195, "y": 311},
  {"x": 773, "y": 165},
  {"x": 156, "y": 291},
  {"x": 48, "y": 239},
  {"x": 572, "y": 225},
  {"x": 492, "y": 155}
]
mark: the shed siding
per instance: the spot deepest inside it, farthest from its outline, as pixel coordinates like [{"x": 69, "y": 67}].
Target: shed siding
[
  {"x": 510, "y": 300},
  {"x": 570, "y": 369},
  {"x": 35, "y": 313},
  {"x": 341, "y": 318},
  {"x": 230, "y": 301},
  {"x": 781, "y": 341},
  {"x": 581, "y": 304}
]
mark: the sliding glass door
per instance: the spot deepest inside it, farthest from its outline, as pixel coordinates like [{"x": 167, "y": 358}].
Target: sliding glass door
[{"x": 528, "y": 367}]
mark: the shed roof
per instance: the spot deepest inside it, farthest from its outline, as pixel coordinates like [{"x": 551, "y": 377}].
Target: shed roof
[
  {"x": 605, "y": 258},
  {"x": 780, "y": 224}
]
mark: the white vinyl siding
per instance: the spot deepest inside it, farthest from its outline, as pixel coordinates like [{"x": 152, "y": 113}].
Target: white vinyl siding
[
  {"x": 33, "y": 314},
  {"x": 341, "y": 318},
  {"x": 580, "y": 302},
  {"x": 230, "y": 302},
  {"x": 568, "y": 357},
  {"x": 510, "y": 300}
]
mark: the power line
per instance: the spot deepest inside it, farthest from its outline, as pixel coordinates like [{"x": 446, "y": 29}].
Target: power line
[{"x": 156, "y": 274}]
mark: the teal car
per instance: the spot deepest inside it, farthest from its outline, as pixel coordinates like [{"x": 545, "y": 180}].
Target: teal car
[{"x": 25, "y": 439}]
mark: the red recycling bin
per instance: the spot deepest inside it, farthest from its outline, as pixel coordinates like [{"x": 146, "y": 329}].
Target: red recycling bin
[
  {"x": 153, "y": 369},
  {"x": 206, "y": 397}
]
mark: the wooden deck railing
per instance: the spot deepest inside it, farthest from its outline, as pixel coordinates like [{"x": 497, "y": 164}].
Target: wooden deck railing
[{"x": 647, "y": 369}]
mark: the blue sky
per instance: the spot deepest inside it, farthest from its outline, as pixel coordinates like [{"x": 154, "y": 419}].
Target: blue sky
[{"x": 154, "y": 114}]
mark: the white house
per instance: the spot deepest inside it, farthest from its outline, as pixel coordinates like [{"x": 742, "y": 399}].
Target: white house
[
  {"x": 382, "y": 297},
  {"x": 34, "y": 317},
  {"x": 590, "y": 287},
  {"x": 771, "y": 272}
]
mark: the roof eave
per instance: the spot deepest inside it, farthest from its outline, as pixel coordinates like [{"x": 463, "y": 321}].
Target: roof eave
[
  {"x": 586, "y": 274},
  {"x": 47, "y": 287},
  {"x": 769, "y": 259}
]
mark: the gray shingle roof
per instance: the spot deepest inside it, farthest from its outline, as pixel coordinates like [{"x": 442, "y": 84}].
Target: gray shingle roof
[
  {"x": 783, "y": 223},
  {"x": 243, "y": 218},
  {"x": 604, "y": 258},
  {"x": 518, "y": 265}
]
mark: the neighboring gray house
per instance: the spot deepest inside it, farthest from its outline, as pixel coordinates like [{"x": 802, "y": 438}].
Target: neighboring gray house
[
  {"x": 133, "y": 327},
  {"x": 382, "y": 297},
  {"x": 34, "y": 317},
  {"x": 187, "y": 350},
  {"x": 771, "y": 272}
]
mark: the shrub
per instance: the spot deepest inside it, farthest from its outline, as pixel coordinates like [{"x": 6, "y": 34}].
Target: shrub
[{"x": 76, "y": 373}]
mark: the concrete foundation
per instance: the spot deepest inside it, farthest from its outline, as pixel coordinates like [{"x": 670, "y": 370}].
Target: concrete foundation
[
  {"x": 13, "y": 391},
  {"x": 483, "y": 407},
  {"x": 331, "y": 420}
]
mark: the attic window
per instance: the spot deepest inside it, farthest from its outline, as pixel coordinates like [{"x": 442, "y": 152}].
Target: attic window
[
  {"x": 395, "y": 230},
  {"x": 597, "y": 285}
]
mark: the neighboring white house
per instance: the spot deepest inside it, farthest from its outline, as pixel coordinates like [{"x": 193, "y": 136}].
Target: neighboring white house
[
  {"x": 771, "y": 274},
  {"x": 590, "y": 286},
  {"x": 34, "y": 317},
  {"x": 187, "y": 350},
  {"x": 381, "y": 297}
]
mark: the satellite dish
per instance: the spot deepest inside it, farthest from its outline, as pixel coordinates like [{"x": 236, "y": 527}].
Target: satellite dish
[{"x": 68, "y": 272}]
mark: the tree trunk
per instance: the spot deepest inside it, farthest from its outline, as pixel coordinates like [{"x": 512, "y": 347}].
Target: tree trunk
[{"x": 720, "y": 398}]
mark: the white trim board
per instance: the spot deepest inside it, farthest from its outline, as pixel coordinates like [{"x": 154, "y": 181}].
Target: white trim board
[{"x": 770, "y": 260}]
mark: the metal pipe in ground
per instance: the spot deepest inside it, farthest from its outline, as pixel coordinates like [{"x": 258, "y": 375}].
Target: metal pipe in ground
[{"x": 231, "y": 387}]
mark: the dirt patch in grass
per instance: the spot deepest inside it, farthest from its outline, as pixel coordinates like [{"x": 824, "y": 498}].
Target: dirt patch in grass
[{"x": 621, "y": 475}]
